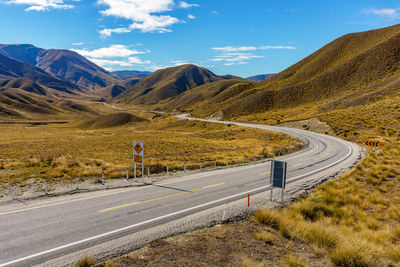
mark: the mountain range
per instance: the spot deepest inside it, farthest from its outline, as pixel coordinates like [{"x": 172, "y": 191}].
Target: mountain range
[{"x": 352, "y": 70}]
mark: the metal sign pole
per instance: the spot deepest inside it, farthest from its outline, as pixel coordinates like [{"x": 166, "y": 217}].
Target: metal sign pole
[
  {"x": 142, "y": 172},
  {"x": 284, "y": 182},
  {"x": 272, "y": 177},
  {"x": 134, "y": 172}
]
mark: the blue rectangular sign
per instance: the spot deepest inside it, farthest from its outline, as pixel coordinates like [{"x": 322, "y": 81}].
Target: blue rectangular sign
[{"x": 278, "y": 174}]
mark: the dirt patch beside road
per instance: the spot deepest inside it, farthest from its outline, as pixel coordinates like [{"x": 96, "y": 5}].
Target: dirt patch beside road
[{"x": 313, "y": 124}]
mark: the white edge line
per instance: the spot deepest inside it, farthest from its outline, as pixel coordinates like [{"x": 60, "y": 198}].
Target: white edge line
[
  {"x": 166, "y": 216},
  {"x": 127, "y": 228}
]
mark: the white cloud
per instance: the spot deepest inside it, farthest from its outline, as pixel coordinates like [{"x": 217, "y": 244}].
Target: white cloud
[
  {"x": 231, "y": 55},
  {"x": 235, "y": 57},
  {"x": 234, "y": 49},
  {"x": 180, "y": 62},
  {"x": 145, "y": 15},
  {"x": 190, "y": 16},
  {"x": 41, "y": 5},
  {"x": 107, "y": 62},
  {"x": 251, "y": 48},
  {"x": 136, "y": 60},
  {"x": 114, "y": 55},
  {"x": 387, "y": 13},
  {"x": 183, "y": 4},
  {"x": 216, "y": 13},
  {"x": 109, "y": 52},
  {"x": 265, "y": 47},
  {"x": 77, "y": 44}
]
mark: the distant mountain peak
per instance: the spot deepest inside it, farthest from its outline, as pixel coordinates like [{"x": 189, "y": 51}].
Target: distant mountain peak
[
  {"x": 260, "y": 77},
  {"x": 166, "y": 83},
  {"x": 62, "y": 63}
]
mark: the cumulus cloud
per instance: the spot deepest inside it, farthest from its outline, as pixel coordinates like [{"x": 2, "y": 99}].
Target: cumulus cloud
[
  {"x": 386, "y": 13},
  {"x": 109, "y": 52},
  {"x": 146, "y": 15},
  {"x": 114, "y": 55},
  {"x": 41, "y": 5},
  {"x": 183, "y": 4}
]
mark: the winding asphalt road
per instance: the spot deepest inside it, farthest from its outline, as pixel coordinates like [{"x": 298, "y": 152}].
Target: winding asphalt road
[{"x": 33, "y": 235}]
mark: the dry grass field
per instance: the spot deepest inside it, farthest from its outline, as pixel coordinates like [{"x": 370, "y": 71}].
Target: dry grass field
[
  {"x": 88, "y": 147},
  {"x": 351, "y": 221}
]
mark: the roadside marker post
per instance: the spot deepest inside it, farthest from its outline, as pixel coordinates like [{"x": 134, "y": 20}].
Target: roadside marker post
[
  {"x": 148, "y": 172},
  {"x": 45, "y": 187},
  {"x": 215, "y": 164},
  {"x": 127, "y": 174},
  {"x": 184, "y": 167},
  {"x": 227, "y": 163},
  {"x": 245, "y": 160},
  {"x": 248, "y": 200},
  {"x": 138, "y": 157},
  {"x": 77, "y": 181},
  {"x": 12, "y": 192},
  {"x": 167, "y": 169},
  {"x": 254, "y": 158},
  {"x": 224, "y": 214},
  {"x": 200, "y": 165},
  {"x": 278, "y": 176},
  {"x": 102, "y": 178}
]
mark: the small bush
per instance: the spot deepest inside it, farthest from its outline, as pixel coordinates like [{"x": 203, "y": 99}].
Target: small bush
[
  {"x": 268, "y": 217},
  {"x": 313, "y": 211},
  {"x": 86, "y": 261},
  {"x": 353, "y": 254},
  {"x": 292, "y": 261},
  {"x": 321, "y": 236},
  {"x": 264, "y": 236}
]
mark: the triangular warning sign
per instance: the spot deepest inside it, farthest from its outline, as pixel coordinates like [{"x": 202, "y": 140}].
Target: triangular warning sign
[{"x": 138, "y": 148}]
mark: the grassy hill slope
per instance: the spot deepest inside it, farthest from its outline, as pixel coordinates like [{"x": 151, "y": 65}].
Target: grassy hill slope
[
  {"x": 356, "y": 67},
  {"x": 167, "y": 83}
]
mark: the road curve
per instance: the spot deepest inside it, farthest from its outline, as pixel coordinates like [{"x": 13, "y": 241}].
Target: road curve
[{"x": 36, "y": 234}]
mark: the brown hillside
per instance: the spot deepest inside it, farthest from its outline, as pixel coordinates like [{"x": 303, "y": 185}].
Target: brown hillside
[
  {"x": 109, "y": 120},
  {"x": 167, "y": 83},
  {"x": 355, "y": 67},
  {"x": 199, "y": 94}
]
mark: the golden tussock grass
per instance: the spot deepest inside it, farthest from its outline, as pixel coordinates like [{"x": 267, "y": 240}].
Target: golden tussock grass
[
  {"x": 353, "y": 220},
  {"x": 86, "y": 261},
  {"x": 62, "y": 151}
]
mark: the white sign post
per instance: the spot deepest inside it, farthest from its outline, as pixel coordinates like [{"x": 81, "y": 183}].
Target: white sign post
[{"x": 138, "y": 157}]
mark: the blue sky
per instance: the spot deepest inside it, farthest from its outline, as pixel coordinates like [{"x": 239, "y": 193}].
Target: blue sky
[{"x": 239, "y": 37}]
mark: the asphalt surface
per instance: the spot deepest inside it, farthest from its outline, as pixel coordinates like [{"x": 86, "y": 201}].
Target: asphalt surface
[{"x": 36, "y": 234}]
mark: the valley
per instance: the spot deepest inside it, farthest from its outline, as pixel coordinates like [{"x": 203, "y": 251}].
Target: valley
[{"x": 62, "y": 116}]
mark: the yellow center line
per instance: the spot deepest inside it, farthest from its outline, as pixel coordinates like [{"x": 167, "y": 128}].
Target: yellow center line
[
  {"x": 158, "y": 198},
  {"x": 327, "y": 154}
]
